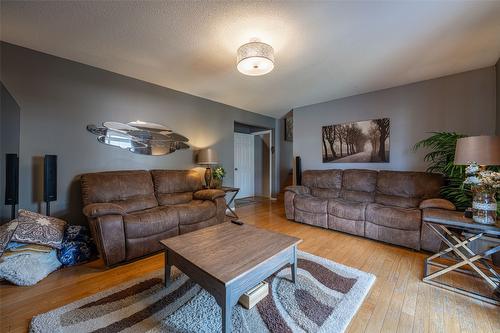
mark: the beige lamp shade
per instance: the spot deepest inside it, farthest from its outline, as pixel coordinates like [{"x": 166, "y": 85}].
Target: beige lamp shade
[
  {"x": 207, "y": 156},
  {"x": 484, "y": 150}
]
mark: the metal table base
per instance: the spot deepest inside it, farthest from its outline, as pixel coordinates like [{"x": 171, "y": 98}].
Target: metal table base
[{"x": 465, "y": 256}]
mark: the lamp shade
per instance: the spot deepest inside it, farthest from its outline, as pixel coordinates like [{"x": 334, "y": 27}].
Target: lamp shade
[
  {"x": 255, "y": 58},
  {"x": 207, "y": 156},
  {"x": 484, "y": 150}
]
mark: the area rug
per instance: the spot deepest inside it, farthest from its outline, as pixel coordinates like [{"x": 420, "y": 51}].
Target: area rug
[{"x": 325, "y": 298}]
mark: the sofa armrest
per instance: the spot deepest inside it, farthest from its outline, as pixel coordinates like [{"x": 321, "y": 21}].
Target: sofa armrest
[
  {"x": 437, "y": 203},
  {"x": 209, "y": 194},
  {"x": 100, "y": 209},
  {"x": 109, "y": 234},
  {"x": 298, "y": 189}
]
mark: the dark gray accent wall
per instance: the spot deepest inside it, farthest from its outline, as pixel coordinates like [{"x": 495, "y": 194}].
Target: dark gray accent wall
[
  {"x": 9, "y": 140},
  {"x": 261, "y": 164},
  {"x": 58, "y": 98},
  {"x": 497, "y": 71},
  {"x": 463, "y": 103}
]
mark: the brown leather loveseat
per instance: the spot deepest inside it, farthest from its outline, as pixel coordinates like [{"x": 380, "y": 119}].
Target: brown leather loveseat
[
  {"x": 129, "y": 212},
  {"x": 381, "y": 205}
]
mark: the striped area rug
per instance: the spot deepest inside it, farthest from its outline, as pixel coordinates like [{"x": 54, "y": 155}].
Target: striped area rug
[{"x": 324, "y": 299}]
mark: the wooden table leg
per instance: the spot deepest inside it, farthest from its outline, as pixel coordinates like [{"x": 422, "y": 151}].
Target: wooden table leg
[
  {"x": 227, "y": 310},
  {"x": 294, "y": 264},
  {"x": 168, "y": 269}
]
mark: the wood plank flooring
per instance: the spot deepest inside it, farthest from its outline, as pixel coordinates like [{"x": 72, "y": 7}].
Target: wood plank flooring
[{"x": 398, "y": 301}]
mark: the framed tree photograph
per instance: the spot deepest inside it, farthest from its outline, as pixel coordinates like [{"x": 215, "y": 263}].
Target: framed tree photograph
[
  {"x": 289, "y": 127},
  {"x": 356, "y": 142}
]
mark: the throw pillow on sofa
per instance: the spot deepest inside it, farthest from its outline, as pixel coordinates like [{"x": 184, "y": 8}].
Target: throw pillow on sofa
[{"x": 34, "y": 228}]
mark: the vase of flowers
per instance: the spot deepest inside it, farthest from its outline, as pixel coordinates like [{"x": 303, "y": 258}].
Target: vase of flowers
[
  {"x": 217, "y": 177},
  {"x": 485, "y": 185}
]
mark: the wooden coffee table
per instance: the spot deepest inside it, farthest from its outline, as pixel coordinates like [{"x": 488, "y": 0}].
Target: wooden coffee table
[{"x": 229, "y": 259}]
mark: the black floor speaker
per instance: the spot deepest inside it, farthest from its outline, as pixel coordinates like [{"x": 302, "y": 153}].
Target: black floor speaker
[
  {"x": 12, "y": 182},
  {"x": 11, "y": 179},
  {"x": 49, "y": 180},
  {"x": 298, "y": 170}
]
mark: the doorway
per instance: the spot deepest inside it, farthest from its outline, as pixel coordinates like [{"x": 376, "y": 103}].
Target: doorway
[
  {"x": 253, "y": 161},
  {"x": 244, "y": 164}
]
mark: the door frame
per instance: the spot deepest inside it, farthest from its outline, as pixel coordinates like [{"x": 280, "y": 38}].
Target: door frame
[{"x": 270, "y": 132}]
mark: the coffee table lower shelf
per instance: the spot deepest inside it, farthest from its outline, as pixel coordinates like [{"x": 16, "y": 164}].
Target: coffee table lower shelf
[{"x": 228, "y": 294}]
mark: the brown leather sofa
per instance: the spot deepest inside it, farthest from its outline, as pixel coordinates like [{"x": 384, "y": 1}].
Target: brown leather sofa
[
  {"x": 129, "y": 212},
  {"x": 381, "y": 205}
]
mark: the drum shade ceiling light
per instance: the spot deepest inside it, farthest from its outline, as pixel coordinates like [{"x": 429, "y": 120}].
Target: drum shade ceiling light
[{"x": 255, "y": 58}]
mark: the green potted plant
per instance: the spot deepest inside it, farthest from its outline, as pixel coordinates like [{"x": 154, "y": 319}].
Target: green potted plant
[{"x": 217, "y": 177}]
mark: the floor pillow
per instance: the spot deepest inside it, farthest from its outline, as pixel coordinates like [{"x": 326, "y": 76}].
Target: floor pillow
[
  {"x": 77, "y": 246},
  {"x": 27, "y": 268},
  {"x": 34, "y": 228},
  {"x": 6, "y": 232}
]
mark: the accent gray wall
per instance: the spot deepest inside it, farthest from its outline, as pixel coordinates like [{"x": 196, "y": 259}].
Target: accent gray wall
[
  {"x": 58, "y": 98},
  {"x": 9, "y": 141},
  {"x": 464, "y": 103},
  {"x": 261, "y": 164}
]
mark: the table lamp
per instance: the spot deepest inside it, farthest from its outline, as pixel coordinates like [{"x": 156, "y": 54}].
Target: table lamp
[
  {"x": 207, "y": 157},
  {"x": 484, "y": 150}
]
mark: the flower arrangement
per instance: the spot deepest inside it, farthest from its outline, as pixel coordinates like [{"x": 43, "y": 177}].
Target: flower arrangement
[
  {"x": 483, "y": 180},
  {"x": 219, "y": 173}
]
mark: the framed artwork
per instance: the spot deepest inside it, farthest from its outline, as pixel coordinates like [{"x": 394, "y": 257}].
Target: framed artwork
[
  {"x": 356, "y": 142},
  {"x": 289, "y": 127}
]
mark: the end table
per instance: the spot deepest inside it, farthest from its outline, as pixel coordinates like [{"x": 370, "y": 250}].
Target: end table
[{"x": 234, "y": 191}]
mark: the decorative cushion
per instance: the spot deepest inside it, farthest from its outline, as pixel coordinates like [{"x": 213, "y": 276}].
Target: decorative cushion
[
  {"x": 6, "y": 232},
  {"x": 36, "y": 228},
  {"x": 77, "y": 246},
  {"x": 27, "y": 268}
]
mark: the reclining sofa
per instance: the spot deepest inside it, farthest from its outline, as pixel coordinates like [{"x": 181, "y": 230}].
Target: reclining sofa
[
  {"x": 129, "y": 212},
  {"x": 381, "y": 205}
]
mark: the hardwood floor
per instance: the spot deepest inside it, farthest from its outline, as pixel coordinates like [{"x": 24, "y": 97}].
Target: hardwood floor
[{"x": 398, "y": 301}]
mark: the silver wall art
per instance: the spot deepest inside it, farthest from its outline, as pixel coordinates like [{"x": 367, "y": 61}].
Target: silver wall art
[{"x": 139, "y": 137}]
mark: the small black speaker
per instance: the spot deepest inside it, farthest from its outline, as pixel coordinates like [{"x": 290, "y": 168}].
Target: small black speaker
[
  {"x": 50, "y": 178},
  {"x": 11, "y": 179},
  {"x": 298, "y": 170}
]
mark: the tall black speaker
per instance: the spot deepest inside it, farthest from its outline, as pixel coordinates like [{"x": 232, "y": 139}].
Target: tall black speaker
[
  {"x": 12, "y": 182},
  {"x": 298, "y": 170},
  {"x": 49, "y": 180}
]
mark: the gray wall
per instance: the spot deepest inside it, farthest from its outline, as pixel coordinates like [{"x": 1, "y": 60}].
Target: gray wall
[
  {"x": 497, "y": 70},
  {"x": 58, "y": 98},
  {"x": 464, "y": 103},
  {"x": 9, "y": 141}
]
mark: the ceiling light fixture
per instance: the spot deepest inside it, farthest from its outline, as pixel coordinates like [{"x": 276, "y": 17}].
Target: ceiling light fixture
[{"x": 255, "y": 58}]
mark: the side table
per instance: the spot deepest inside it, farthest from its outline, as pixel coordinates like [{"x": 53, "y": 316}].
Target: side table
[
  {"x": 448, "y": 226},
  {"x": 234, "y": 192}
]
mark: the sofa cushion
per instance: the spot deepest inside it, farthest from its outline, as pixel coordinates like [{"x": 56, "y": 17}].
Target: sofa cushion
[
  {"x": 325, "y": 192},
  {"x": 406, "y": 189},
  {"x": 407, "y": 238},
  {"x": 346, "y": 225},
  {"x": 149, "y": 222},
  {"x": 174, "y": 187},
  {"x": 346, "y": 209},
  {"x": 359, "y": 185},
  {"x": 308, "y": 203},
  {"x": 132, "y": 190},
  {"x": 195, "y": 211},
  {"x": 331, "y": 179},
  {"x": 394, "y": 217}
]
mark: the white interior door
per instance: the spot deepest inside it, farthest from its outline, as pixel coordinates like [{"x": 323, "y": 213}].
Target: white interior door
[{"x": 244, "y": 164}]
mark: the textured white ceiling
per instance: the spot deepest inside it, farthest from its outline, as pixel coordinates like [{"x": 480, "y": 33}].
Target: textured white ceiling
[{"x": 323, "y": 50}]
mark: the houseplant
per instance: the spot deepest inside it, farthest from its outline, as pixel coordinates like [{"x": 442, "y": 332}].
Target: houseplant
[
  {"x": 218, "y": 176},
  {"x": 441, "y": 156}
]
